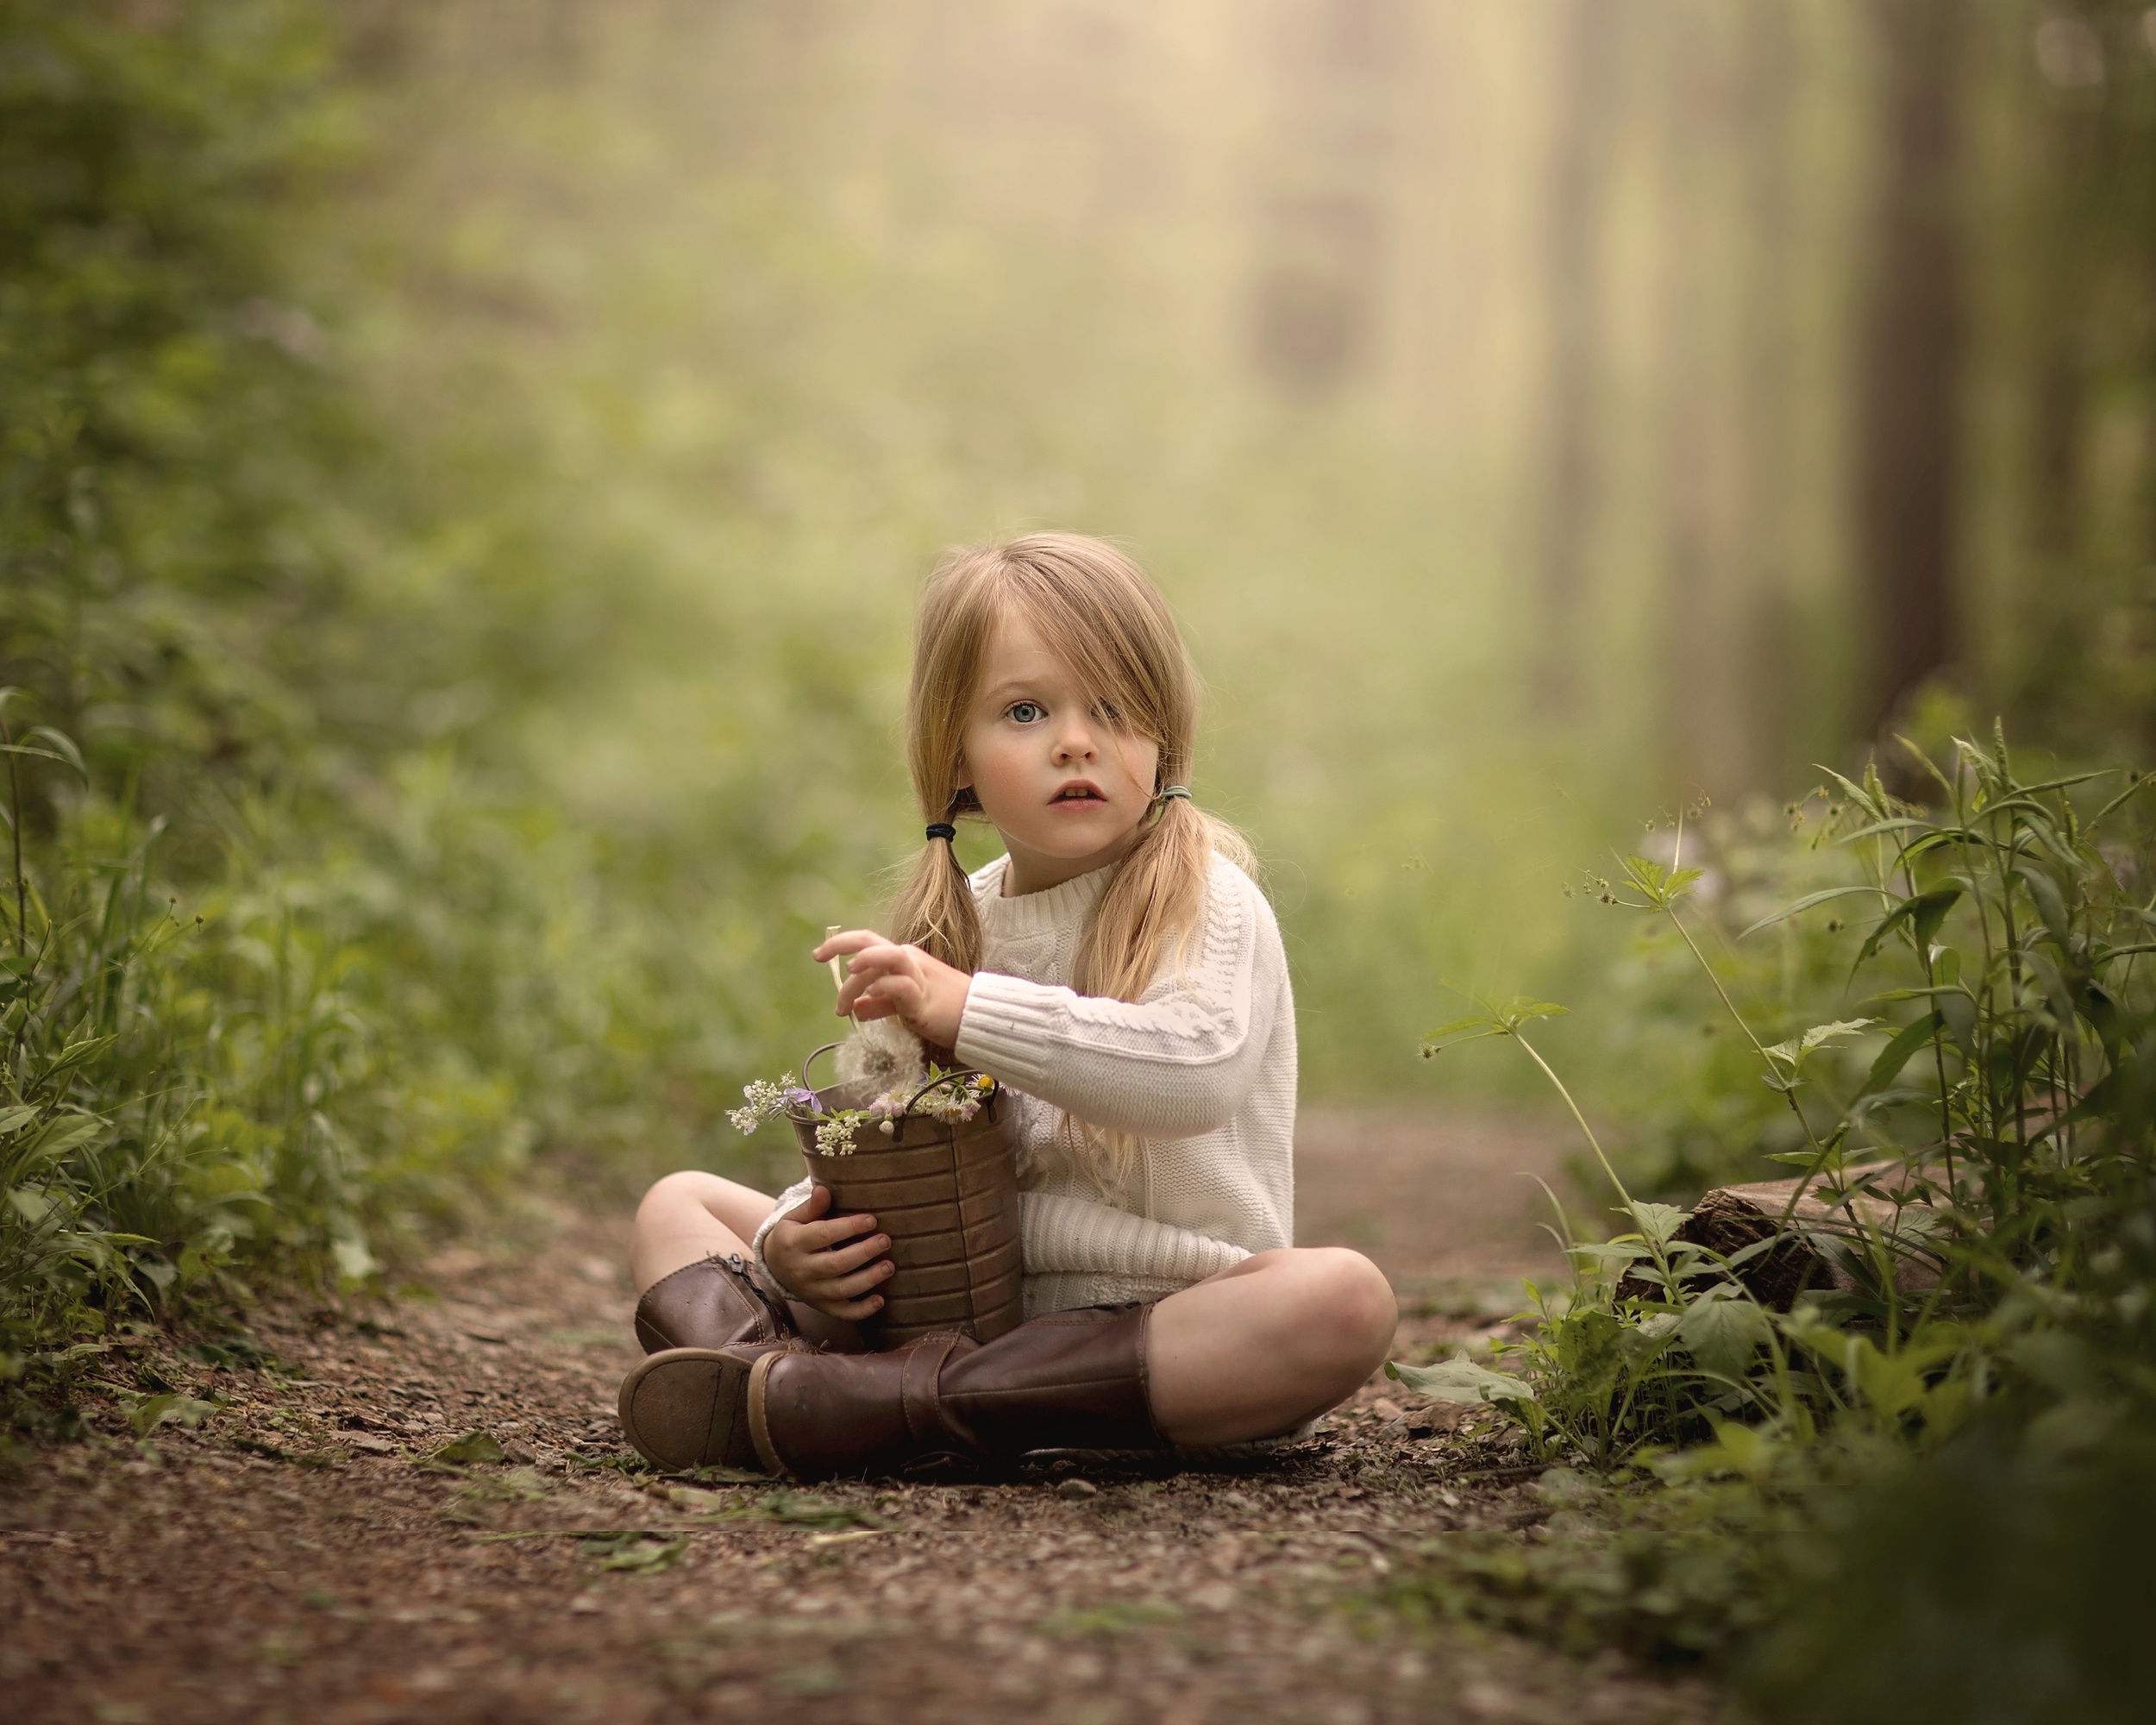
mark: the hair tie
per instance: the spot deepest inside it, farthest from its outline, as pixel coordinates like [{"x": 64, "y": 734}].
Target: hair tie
[
  {"x": 1172, "y": 791},
  {"x": 943, "y": 830}
]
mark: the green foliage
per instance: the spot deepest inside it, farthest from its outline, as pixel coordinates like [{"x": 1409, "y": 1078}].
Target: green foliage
[
  {"x": 1999, "y": 1578},
  {"x": 1990, "y": 1176},
  {"x": 305, "y": 948}
]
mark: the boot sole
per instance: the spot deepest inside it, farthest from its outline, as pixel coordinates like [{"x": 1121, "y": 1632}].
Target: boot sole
[{"x": 688, "y": 1407}]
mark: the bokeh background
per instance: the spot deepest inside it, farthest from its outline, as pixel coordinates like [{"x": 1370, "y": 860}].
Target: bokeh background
[{"x": 469, "y": 466}]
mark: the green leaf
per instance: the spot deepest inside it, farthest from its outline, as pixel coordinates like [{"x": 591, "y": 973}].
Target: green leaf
[
  {"x": 1819, "y": 1035},
  {"x": 354, "y": 1262},
  {"x": 1607, "y": 1252},
  {"x": 1877, "y": 827},
  {"x": 63, "y": 746},
  {"x": 1931, "y": 912},
  {"x": 1807, "y": 902},
  {"x": 1958, "y": 1012},
  {"x": 1460, "y": 1380},
  {"x": 1659, "y": 1222},
  {"x": 2051, "y": 903},
  {"x": 1793, "y": 1053},
  {"x": 147, "y": 1416},
  {"x": 644, "y": 1556},
  {"x": 1723, "y": 1335},
  {"x": 1477, "y": 1022},
  {"x": 1520, "y": 1011},
  {"x": 1896, "y": 1054},
  {"x": 472, "y": 1447},
  {"x": 1925, "y": 912}
]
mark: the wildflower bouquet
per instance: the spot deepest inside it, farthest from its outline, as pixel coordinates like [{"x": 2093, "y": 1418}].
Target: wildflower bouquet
[{"x": 951, "y": 1097}]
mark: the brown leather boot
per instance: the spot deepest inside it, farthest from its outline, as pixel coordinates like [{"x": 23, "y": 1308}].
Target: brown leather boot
[
  {"x": 1071, "y": 1380},
  {"x": 714, "y": 1302}
]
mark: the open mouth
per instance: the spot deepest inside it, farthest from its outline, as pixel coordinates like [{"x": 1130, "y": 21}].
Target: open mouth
[{"x": 1079, "y": 791}]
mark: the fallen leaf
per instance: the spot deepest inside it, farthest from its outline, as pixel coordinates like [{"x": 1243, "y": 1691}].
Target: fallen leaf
[
  {"x": 146, "y": 1417},
  {"x": 473, "y": 1446}
]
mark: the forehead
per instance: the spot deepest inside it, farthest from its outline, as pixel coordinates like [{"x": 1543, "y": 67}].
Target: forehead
[{"x": 1016, "y": 655}]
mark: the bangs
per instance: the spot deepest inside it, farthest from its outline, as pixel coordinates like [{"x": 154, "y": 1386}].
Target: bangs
[{"x": 1113, "y": 634}]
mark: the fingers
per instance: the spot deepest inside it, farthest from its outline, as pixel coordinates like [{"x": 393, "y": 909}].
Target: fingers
[
  {"x": 851, "y": 1295},
  {"x": 854, "y": 940},
  {"x": 845, "y": 1259},
  {"x": 881, "y": 995},
  {"x": 818, "y": 1201},
  {"x": 819, "y": 1237},
  {"x": 859, "y": 1283}
]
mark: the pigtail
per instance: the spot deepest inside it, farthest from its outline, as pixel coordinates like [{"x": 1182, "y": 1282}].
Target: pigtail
[
  {"x": 935, "y": 910},
  {"x": 1156, "y": 906},
  {"x": 1147, "y": 922}
]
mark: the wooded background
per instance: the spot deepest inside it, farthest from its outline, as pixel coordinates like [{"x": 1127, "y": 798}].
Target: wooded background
[{"x": 500, "y": 443}]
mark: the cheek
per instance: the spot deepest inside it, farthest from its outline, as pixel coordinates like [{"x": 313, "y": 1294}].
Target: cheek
[
  {"x": 1140, "y": 761},
  {"x": 995, "y": 764}
]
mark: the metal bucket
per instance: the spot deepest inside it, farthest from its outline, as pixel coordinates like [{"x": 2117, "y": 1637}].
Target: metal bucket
[{"x": 947, "y": 1194}]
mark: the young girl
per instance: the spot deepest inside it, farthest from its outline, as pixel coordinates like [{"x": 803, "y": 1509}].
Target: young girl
[{"x": 1122, "y": 976}]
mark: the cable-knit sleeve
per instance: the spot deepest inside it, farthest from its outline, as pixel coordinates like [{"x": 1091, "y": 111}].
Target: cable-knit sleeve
[
  {"x": 1076, "y": 1236},
  {"x": 1176, "y": 1063}
]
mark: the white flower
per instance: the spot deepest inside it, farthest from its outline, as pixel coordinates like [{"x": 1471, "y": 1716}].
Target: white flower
[
  {"x": 835, "y": 1137},
  {"x": 764, "y": 1100}
]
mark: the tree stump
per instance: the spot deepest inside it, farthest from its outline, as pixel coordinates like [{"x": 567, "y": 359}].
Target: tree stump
[{"x": 1730, "y": 1218}]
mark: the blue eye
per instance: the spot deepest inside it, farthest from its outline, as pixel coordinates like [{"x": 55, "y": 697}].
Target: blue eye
[{"x": 1027, "y": 712}]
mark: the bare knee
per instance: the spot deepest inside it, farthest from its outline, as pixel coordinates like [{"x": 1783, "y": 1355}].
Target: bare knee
[
  {"x": 1353, "y": 1306},
  {"x": 1339, "y": 1317},
  {"x": 684, "y": 1190}
]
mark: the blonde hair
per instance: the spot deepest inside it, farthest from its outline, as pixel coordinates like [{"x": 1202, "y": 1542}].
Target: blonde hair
[{"x": 1100, "y": 613}]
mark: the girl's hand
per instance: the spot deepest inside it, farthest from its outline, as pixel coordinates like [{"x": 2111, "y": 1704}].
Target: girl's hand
[
  {"x": 885, "y": 979},
  {"x": 830, "y": 1265}
]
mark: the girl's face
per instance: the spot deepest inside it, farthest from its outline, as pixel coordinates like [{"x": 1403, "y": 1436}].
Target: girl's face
[{"x": 1065, "y": 784}]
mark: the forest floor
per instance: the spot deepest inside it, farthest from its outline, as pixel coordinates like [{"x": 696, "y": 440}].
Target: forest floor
[{"x": 297, "y": 1554}]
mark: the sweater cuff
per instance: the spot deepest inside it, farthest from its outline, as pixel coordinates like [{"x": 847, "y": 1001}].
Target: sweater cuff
[
  {"x": 1005, "y": 1029},
  {"x": 792, "y": 1197}
]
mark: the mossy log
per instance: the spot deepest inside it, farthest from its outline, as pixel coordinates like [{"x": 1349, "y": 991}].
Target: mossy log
[{"x": 1810, "y": 1229}]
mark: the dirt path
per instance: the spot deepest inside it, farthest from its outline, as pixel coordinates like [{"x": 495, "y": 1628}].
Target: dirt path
[{"x": 296, "y": 1556}]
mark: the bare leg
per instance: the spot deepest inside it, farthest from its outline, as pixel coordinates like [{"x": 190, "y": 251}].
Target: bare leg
[
  {"x": 1258, "y": 1349},
  {"x": 690, "y": 1215}
]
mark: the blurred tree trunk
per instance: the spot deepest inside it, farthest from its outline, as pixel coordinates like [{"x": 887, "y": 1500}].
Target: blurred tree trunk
[
  {"x": 1313, "y": 299},
  {"x": 1700, "y": 725},
  {"x": 2055, "y": 605},
  {"x": 1910, "y": 347},
  {"x": 1768, "y": 646},
  {"x": 1586, "y": 42}
]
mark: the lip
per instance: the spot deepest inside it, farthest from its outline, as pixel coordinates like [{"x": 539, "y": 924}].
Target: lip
[{"x": 1094, "y": 797}]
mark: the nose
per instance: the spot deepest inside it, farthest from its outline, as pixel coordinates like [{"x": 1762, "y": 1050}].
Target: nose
[{"x": 1074, "y": 740}]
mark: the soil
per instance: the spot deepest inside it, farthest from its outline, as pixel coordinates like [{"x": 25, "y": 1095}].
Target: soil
[{"x": 299, "y": 1553}]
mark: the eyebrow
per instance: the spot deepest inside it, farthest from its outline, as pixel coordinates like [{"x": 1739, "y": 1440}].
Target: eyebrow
[{"x": 1009, "y": 686}]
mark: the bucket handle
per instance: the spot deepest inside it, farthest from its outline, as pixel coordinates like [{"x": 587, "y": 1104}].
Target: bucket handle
[
  {"x": 933, "y": 1082},
  {"x": 914, "y": 1098},
  {"x": 811, "y": 1061}
]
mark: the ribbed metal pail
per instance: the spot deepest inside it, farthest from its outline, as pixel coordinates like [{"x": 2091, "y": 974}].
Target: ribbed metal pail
[{"x": 947, "y": 1193}]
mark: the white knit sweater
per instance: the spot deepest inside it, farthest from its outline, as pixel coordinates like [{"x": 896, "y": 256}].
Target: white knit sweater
[{"x": 1201, "y": 1069}]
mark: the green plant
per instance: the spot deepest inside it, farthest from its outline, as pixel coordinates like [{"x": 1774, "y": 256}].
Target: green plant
[{"x": 1990, "y": 1190}]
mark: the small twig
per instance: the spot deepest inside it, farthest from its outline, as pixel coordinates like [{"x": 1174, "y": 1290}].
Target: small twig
[{"x": 596, "y": 1532}]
